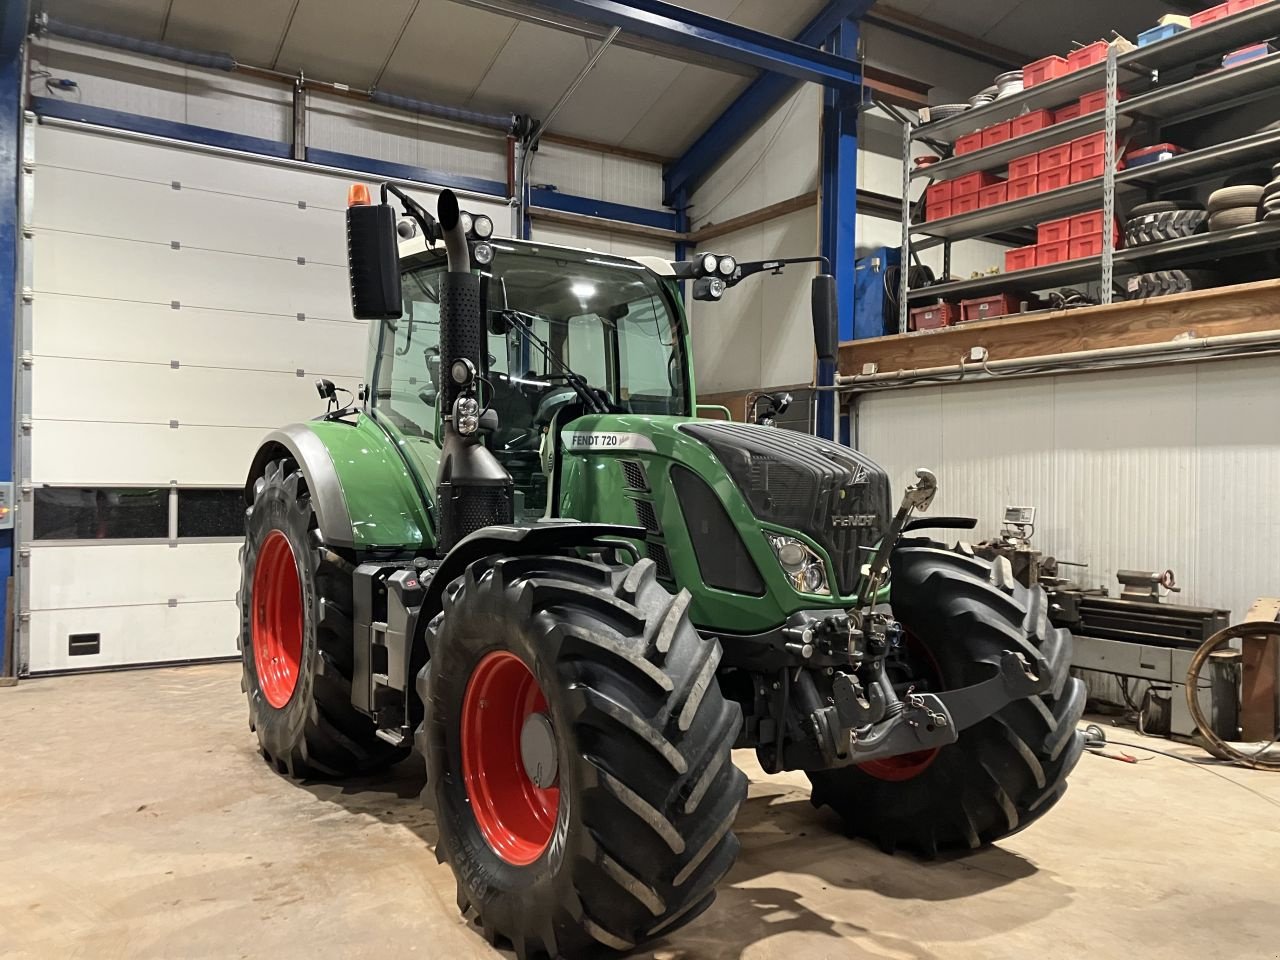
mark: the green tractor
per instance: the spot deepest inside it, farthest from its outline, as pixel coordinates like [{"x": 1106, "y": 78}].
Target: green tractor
[{"x": 521, "y": 549}]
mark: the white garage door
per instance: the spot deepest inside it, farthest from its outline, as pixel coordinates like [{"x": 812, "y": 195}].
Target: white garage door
[{"x": 183, "y": 303}]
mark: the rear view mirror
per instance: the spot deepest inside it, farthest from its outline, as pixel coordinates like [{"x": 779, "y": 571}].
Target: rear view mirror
[
  {"x": 373, "y": 262},
  {"x": 826, "y": 330}
]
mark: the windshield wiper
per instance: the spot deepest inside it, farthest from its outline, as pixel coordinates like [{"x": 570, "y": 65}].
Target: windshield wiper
[{"x": 580, "y": 386}]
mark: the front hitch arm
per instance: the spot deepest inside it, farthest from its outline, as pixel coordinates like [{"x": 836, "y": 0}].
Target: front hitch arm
[{"x": 918, "y": 496}]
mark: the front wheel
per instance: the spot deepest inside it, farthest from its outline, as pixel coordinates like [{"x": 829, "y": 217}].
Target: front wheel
[
  {"x": 578, "y": 753},
  {"x": 1003, "y": 772}
]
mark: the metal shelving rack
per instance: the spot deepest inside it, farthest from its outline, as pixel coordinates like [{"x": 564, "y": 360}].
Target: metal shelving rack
[{"x": 1160, "y": 94}]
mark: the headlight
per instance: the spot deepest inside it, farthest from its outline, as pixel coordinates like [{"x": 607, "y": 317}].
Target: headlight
[
  {"x": 483, "y": 227},
  {"x": 466, "y": 222},
  {"x": 803, "y": 567},
  {"x": 709, "y": 263},
  {"x": 727, "y": 266}
]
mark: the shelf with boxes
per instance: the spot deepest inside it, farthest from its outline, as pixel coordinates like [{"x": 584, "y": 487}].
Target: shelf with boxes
[
  {"x": 1049, "y": 166},
  {"x": 1214, "y": 33}
]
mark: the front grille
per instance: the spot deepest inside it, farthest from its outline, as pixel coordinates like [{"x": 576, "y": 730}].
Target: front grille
[
  {"x": 633, "y": 473},
  {"x": 646, "y": 515},
  {"x": 723, "y": 560},
  {"x": 830, "y": 492},
  {"x": 658, "y": 554}
]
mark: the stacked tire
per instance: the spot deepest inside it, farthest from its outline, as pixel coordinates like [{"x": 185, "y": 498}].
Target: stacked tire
[
  {"x": 1163, "y": 220},
  {"x": 1233, "y": 207},
  {"x": 1269, "y": 210}
]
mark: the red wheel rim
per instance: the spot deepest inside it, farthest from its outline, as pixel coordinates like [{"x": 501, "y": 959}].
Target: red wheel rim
[
  {"x": 277, "y": 620},
  {"x": 908, "y": 766},
  {"x": 514, "y": 814}
]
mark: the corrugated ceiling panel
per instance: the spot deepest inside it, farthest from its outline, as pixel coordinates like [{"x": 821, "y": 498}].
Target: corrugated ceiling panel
[
  {"x": 135, "y": 18},
  {"x": 331, "y": 40},
  {"x": 445, "y": 52},
  {"x": 251, "y": 30}
]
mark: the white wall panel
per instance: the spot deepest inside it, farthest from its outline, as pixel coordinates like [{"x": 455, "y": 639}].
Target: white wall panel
[
  {"x": 1144, "y": 469},
  {"x": 131, "y": 635},
  {"x": 589, "y": 173},
  {"x": 131, "y": 574},
  {"x": 601, "y": 241},
  {"x": 76, "y": 326},
  {"x": 105, "y": 453}
]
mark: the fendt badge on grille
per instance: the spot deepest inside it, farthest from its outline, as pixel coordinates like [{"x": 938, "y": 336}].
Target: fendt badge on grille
[
  {"x": 594, "y": 441},
  {"x": 856, "y": 520}
]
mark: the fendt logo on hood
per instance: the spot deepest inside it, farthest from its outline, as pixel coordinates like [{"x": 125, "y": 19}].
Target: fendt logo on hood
[
  {"x": 860, "y": 475},
  {"x": 855, "y": 520}
]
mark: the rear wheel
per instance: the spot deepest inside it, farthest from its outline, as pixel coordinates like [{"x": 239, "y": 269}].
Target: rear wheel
[
  {"x": 1004, "y": 772},
  {"x": 295, "y": 639},
  {"x": 578, "y": 754}
]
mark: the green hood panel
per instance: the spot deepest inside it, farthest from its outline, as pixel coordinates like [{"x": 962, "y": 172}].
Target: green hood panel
[
  {"x": 594, "y": 487},
  {"x": 383, "y": 498}
]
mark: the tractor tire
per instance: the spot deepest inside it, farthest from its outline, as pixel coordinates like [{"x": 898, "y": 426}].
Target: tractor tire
[
  {"x": 579, "y": 754},
  {"x": 1162, "y": 283},
  {"x": 1004, "y": 772},
  {"x": 1163, "y": 206},
  {"x": 1158, "y": 227},
  {"x": 295, "y": 639},
  {"x": 1229, "y": 198}
]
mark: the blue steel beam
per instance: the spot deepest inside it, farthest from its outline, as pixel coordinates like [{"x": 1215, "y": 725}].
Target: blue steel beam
[
  {"x": 839, "y": 199},
  {"x": 756, "y": 102},
  {"x": 13, "y": 28},
  {"x": 687, "y": 30}
]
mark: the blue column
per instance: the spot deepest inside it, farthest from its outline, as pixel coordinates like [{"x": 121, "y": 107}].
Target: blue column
[
  {"x": 839, "y": 199},
  {"x": 13, "y": 29}
]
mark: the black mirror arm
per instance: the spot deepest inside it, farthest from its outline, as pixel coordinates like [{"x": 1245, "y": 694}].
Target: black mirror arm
[
  {"x": 430, "y": 226},
  {"x": 773, "y": 266},
  {"x": 579, "y": 385}
]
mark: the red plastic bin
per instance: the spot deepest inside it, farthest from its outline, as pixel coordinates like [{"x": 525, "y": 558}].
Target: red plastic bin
[
  {"x": 1054, "y": 230},
  {"x": 932, "y": 318},
  {"x": 972, "y": 183},
  {"x": 1047, "y": 69},
  {"x": 1093, "y": 102},
  {"x": 1055, "y": 157},
  {"x": 1093, "y": 145},
  {"x": 1083, "y": 224},
  {"x": 1030, "y": 122},
  {"x": 1089, "y": 245},
  {"x": 1089, "y": 168},
  {"x": 969, "y": 143},
  {"x": 1022, "y": 188},
  {"x": 1087, "y": 56},
  {"x": 1022, "y": 258},
  {"x": 996, "y": 133},
  {"x": 1069, "y": 112},
  {"x": 985, "y": 308},
  {"x": 1051, "y": 253},
  {"x": 995, "y": 194},
  {"x": 938, "y": 211},
  {"x": 1240, "y": 6},
  {"x": 965, "y": 204},
  {"x": 938, "y": 192},
  {"x": 1209, "y": 16},
  {"x": 1053, "y": 178},
  {"x": 1027, "y": 166}
]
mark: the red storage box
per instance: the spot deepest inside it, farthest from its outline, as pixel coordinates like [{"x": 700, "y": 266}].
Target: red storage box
[
  {"x": 1023, "y": 258},
  {"x": 1087, "y": 56},
  {"x": 1093, "y": 145},
  {"x": 1030, "y": 123},
  {"x": 1053, "y": 178},
  {"x": 931, "y": 318},
  {"x": 995, "y": 194},
  {"x": 1042, "y": 70},
  {"x": 1022, "y": 187},
  {"x": 969, "y": 143},
  {"x": 1054, "y": 230},
  {"x": 1055, "y": 157},
  {"x": 938, "y": 211},
  {"x": 972, "y": 183},
  {"x": 1240, "y": 6},
  {"x": 1051, "y": 253},
  {"x": 1210, "y": 15},
  {"x": 1093, "y": 102},
  {"x": 1027, "y": 166},
  {"x": 996, "y": 133},
  {"x": 1083, "y": 224},
  {"x": 1069, "y": 112},
  {"x": 939, "y": 192},
  {"x": 966, "y": 204},
  {"x": 1089, "y": 245},
  {"x": 985, "y": 308},
  {"x": 1089, "y": 168}
]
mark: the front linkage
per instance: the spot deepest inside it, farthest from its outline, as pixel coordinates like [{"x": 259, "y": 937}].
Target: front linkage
[{"x": 843, "y": 693}]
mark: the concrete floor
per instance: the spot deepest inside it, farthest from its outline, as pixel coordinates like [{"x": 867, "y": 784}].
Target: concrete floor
[{"x": 137, "y": 820}]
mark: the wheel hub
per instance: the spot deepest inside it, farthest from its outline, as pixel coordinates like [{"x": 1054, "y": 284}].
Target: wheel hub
[
  {"x": 276, "y": 628},
  {"x": 510, "y": 761}
]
